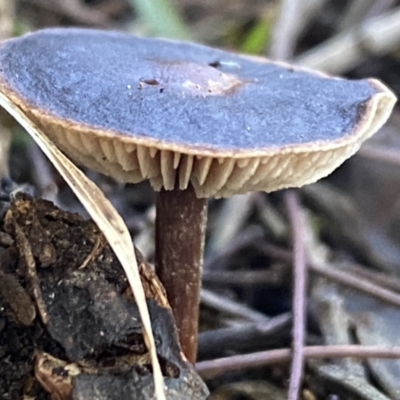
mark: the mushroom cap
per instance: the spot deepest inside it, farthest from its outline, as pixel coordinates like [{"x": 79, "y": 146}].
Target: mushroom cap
[{"x": 179, "y": 113}]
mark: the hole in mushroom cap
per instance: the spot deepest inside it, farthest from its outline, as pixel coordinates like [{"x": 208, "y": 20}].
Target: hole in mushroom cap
[
  {"x": 229, "y": 64},
  {"x": 151, "y": 82},
  {"x": 215, "y": 64}
]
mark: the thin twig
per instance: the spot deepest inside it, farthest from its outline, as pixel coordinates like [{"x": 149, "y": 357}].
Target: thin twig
[
  {"x": 274, "y": 275},
  {"x": 231, "y": 307},
  {"x": 299, "y": 293},
  {"x": 381, "y": 279},
  {"x": 218, "y": 260},
  {"x": 270, "y": 217},
  {"x": 226, "y": 227},
  {"x": 357, "y": 282},
  {"x": 356, "y": 12},
  {"x": 345, "y": 278},
  {"x": 213, "y": 368},
  {"x": 250, "y": 336}
]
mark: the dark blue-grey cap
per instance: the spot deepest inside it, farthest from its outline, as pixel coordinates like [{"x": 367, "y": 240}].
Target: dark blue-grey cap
[{"x": 179, "y": 113}]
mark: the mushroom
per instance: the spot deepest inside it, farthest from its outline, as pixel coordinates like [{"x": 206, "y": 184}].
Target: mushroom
[{"x": 195, "y": 121}]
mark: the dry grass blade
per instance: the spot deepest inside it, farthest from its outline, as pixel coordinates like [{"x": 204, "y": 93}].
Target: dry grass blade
[{"x": 107, "y": 219}]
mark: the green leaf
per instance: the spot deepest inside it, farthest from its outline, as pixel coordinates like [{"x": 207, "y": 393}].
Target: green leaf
[
  {"x": 161, "y": 18},
  {"x": 257, "y": 39}
]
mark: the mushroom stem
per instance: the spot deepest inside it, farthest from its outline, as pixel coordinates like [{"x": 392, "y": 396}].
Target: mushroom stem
[{"x": 180, "y": 231}]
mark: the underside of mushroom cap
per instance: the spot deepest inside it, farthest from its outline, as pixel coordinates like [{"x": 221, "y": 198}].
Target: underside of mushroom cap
[{"x": 180, "y": 113}]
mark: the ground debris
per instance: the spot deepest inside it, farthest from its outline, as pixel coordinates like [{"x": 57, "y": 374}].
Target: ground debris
[{"x": 88, "y": 341}]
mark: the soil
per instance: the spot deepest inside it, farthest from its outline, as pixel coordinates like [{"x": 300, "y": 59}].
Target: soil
[{"x": 69, "y": 324}]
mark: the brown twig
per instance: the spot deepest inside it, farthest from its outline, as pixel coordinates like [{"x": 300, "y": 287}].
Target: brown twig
[
  {"x": 213, "y": 368},
  {"x": 26, "y": 251},
  {"x": 299, "y": 293}
]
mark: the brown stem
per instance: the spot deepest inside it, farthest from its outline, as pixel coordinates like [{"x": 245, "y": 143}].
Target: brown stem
[{"x": 180, "y": 230}]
